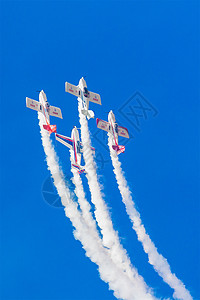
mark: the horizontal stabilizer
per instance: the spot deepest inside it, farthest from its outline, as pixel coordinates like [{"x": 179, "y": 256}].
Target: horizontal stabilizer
[
  {"x": 119, "y": 149},
  {"x": 93, "y": 149},
  {"x": 88, "y": 113},
  {"x": 50, "y": 128},
  {"x": 78, "y": 168}
]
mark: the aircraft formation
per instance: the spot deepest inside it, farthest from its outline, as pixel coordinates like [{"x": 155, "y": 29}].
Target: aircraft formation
[{"x": 84, "y": 96}]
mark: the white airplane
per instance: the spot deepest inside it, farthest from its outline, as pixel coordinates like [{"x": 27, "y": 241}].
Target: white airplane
[
  {"x": 75, "y": 145},
  {"x": 47, "y": 110},
  {"x": 112, "y": 127},
  {"x": 84, "y": 96}
]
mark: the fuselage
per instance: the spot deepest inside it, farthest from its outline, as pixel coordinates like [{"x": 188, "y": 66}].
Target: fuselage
[
  {"x": 45, "y": 106},
  {"x": 84, "y": 94},
  {"x": 113, "y": 127},
  {"x": 76, "y": 145}
]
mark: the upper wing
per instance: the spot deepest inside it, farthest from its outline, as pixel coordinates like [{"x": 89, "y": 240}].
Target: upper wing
[
  {"x": 122, "y": 131},
  {"x": 103, "y": 124},
  {"x": 33, "y": 104},
  {"x": 65, "y": 140},
  {"x": 55, "y": 111},
  {"x": 72, "y": 89},
  {"x": 94, "y": 98}
]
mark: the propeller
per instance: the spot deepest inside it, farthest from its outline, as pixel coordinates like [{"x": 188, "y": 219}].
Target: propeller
[
  {"x": 76, "y": 127},
  {"x": 109, "y": 111}
]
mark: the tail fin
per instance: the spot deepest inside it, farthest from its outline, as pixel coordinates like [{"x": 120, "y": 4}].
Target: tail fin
[
  {"x": 88, "y": 113},
  {"x": 78, "y": 168},
  {"x": 50, "y": 128},
  {"x": 119, "y": 149}
]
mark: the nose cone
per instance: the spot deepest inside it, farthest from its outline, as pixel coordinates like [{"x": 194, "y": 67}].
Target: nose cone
[
  {"x": 75, "y": 134},
  {"x": 72, "y": 133},
  {"x": 74, "y": 130},
  {"x": 42, "y": 95},
  {"x": 111, "y": 116},
  {"x": 82, "y": 83}
]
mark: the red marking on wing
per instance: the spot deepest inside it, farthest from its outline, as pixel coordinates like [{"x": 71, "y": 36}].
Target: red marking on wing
[
  {"x": 63, "y": 137},
  {"x": 123, "y": 128}
]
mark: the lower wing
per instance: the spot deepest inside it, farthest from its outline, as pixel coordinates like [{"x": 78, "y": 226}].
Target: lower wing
[{"x": 64, "y": 140}]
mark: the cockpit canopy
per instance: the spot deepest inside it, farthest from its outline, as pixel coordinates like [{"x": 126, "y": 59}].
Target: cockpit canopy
[
  {"x": 116, "y": 128},
  {"x": 47, "y": 106},
  {"x": 79, "y": 147},
  {"x": 86, "y": 92}
]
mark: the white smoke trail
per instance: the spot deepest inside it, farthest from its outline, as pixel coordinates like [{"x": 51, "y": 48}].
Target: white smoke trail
[
  {"x": 83, "y": 203},
  {"x": 123, "y": 288},
  {"x": 158, "y": 262},
  {"x": 86, "y": 212},
  {"x": 109, "y": 236}
]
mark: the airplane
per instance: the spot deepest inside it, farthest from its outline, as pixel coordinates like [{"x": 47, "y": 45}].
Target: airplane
[
  {"x": 84, "y": 96},
  {"x": 46, "y": 109},
  {"x": 116, "y": 130},
  {"x": 75, "y": 145}
]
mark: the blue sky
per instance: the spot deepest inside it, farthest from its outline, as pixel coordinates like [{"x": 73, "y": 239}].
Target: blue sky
[{"x": 149, "y": 47}]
